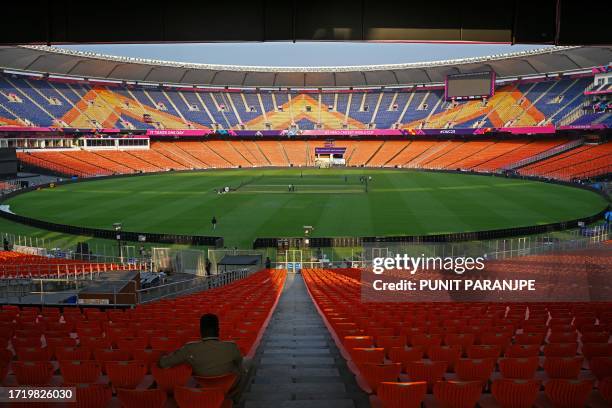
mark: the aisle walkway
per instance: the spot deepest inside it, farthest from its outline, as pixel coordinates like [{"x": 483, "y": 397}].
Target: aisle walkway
[{"x": 297, "y": 363}]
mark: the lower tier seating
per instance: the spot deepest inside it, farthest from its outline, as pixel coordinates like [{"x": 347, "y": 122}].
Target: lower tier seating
[
  {"x": 111, "y": 355},
  {"x": 460, "y": 354},
  {"x": 476, "y": 155},
  {"x": 584, "y": 161}
]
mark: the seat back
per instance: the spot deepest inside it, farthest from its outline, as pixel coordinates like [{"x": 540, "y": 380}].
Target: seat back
[
  {"x": 568, "y": 393},
  {"x": 430, "y": 372},
  {"x": 92, "y": 395},
  {"x": 457, "y": 394},
  {"x": 152, "y": 398},
  {"x": 168, "y": 378},
  {"x": 126, "y": 374},
  {"x": 518, "y": 368},
  {"x": 374, "y": 374},
  {"x": 80, "y": 372},
  {"x": 605, "y": 389},
  {"x": 563, "y": 367},
  {"x": 475, "y": 369},
  {"x": 511, "y": 393},
  {"x": 222, "y": 382},
  {"x": 368, "y": 355},
  {"x": 601, "y": 367},
  {"x": 33, "y": 372},
  {"x": 198, "y": 397},
  {"x": 402, "y": 395}
]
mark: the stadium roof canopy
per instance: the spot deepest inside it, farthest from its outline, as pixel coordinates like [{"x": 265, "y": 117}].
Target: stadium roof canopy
[
  {"x": 558, "y": 22},
  {"x": 55, "y": 61}
]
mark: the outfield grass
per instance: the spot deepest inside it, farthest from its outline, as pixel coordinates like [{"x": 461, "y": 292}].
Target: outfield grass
[{"x": 334, "y": 201}]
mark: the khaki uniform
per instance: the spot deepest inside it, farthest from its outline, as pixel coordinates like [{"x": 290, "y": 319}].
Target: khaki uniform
[{"x": 208, "y": 357}]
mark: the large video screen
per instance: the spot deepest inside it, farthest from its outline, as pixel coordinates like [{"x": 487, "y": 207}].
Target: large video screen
[
  {"x": 8, "y": 162},
  {"x": 473, "y": 85}
]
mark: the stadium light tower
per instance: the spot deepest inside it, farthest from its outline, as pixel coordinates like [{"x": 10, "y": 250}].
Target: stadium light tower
[{"x": 117, "y": 226}]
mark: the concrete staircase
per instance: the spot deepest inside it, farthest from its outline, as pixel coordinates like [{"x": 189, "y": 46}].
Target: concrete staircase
[{"x": 297, "y": 364}]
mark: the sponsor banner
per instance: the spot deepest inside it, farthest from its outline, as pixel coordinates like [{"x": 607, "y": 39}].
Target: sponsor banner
[
  {"x": 179, "y": 132},
  {"x": 25, "y": 129},
  {"x": 330, "y": 150},
  {"x": 594, "y": 126},
  {"x": 320, "y": 132},
  {"x": 481, "y": 131},
  {"x": 78, "y": 130},
  {"x": 352, "y": 132},
  {"x": 528, "y": 130},
  {"x": 254, "y": 132},
  {"x": 602, "y": 92},
  {"x": 435, "y": 132}
]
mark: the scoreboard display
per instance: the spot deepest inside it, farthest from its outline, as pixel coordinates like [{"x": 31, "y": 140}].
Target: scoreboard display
[{"x": 470, "y": 86}]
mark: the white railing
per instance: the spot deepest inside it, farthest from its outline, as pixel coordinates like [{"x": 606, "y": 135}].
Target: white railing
[
  {"x": 574, "y": 114},
  {"x": 544, "y": 155}
]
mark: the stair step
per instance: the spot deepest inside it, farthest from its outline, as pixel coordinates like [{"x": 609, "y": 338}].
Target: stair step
[
  {"x": 308, "y": 379},
  {"x": 298, "y": 360},
  {"x": 331, "y": 403},
  {"x": 297, "y": 351},
  {"x": 296, "y": 343},
  {"x": 298, "y": 372},
  {"x": 285, "y": 336}
]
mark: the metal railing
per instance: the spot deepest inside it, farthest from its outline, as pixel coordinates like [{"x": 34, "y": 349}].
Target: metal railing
[
  {"x": 196, "y": 284},
  {"x": 548, "y": 153},
  {"x": 67, "y": 248},
  {"x": 562, "y": 241},
  {"x": 54, "y": 291},
  {"x": 65, "y": 270}
]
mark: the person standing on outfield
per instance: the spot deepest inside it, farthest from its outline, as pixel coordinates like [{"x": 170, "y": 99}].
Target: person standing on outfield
[{"x": 214, "y": 222}]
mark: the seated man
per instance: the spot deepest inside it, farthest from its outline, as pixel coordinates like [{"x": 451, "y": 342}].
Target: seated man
[{"x": 210, "y": 357}]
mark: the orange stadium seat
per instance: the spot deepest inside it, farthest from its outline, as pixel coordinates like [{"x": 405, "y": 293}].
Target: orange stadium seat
[
  {"x": 221, "y": 382},
  {"x": 568, "y": 393},
  {"x": 154, "y": 398},
  {"x": 402, "y": 394},
  {"x": 33, "y": 373},
  {"x": 512, "y": 393},
  {"x": 605, "y": 388},
  {"x": 198, "y": 397},
  {"x": 457, "y": 394},
  {"x": 563, "y": 367},
  {"x": 475, "y": 369},
  {"x": 519, "y": 368},
  {"x": 373, "y": 374},
  {"x": 80, "y": 372},
  {"x": 125, "y": 374},
  {"x": 168, "y": 378},
  {"x": 92, "y": 395}
]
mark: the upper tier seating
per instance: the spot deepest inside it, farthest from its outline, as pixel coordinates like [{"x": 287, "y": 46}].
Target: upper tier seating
[{"x": 40, "y": 102}]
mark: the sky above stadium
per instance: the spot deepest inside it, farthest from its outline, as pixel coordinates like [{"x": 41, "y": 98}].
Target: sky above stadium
[{"x": 302, "y": 54}]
